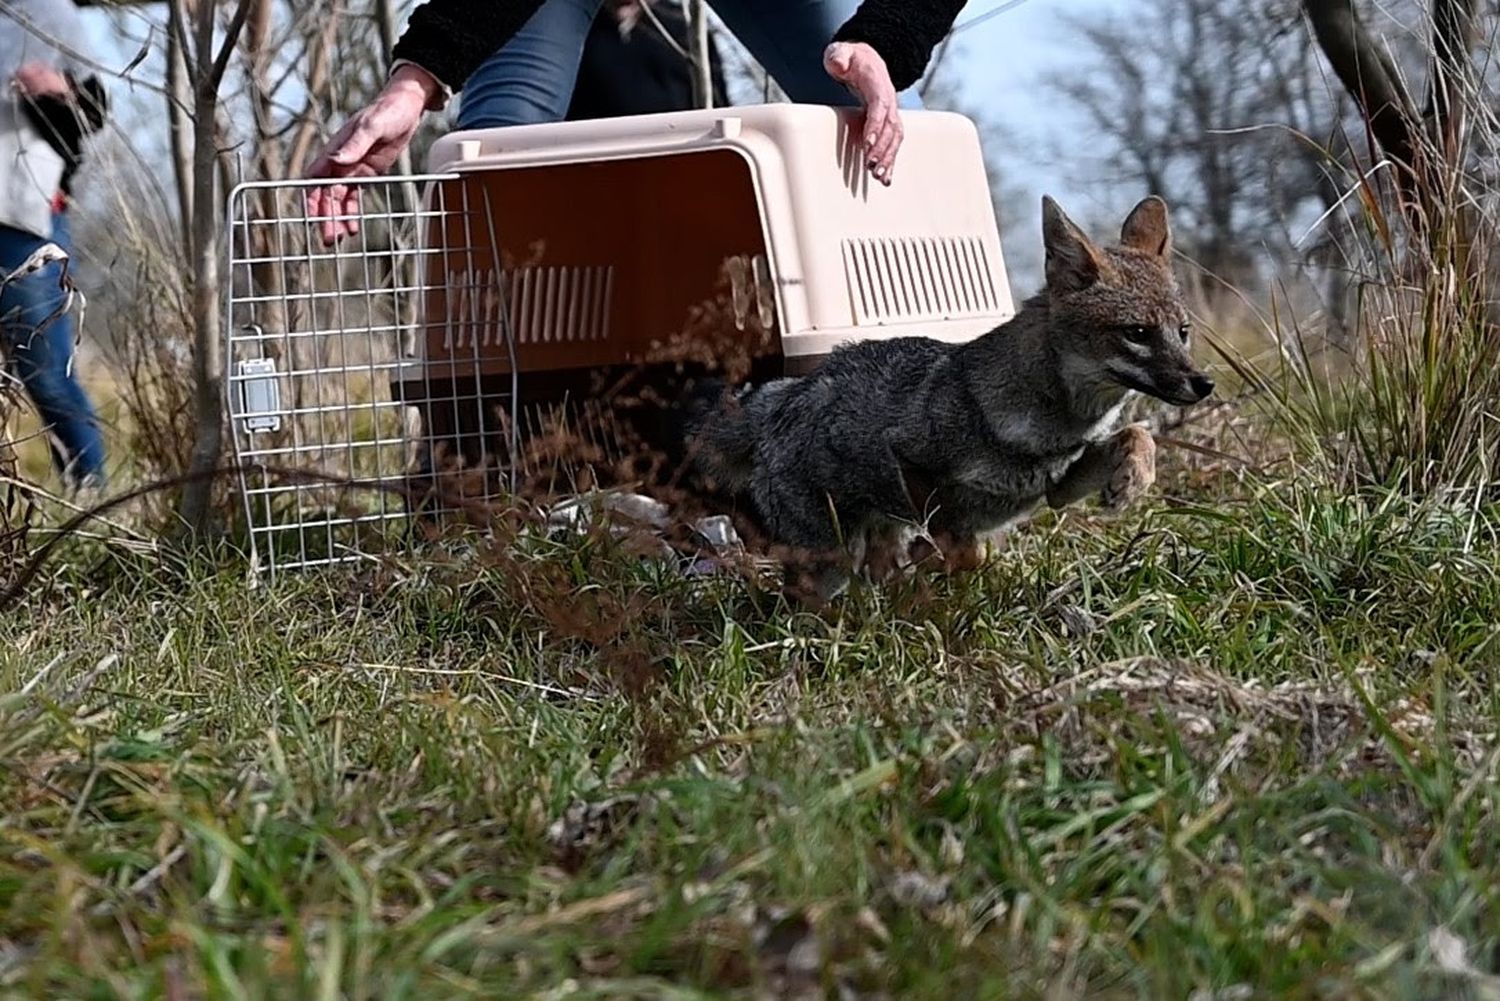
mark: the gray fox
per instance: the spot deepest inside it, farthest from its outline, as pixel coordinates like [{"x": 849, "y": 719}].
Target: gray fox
[{"x": 964, "y": 439}]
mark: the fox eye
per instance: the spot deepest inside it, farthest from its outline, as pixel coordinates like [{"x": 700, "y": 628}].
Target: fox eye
[{"x": 1138, "y": 335}]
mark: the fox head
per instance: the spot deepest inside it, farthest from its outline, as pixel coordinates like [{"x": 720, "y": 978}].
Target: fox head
[{"x": 1116, "y": 314}]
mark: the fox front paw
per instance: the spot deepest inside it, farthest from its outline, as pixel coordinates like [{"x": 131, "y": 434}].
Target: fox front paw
[{"x": 1134, "y": 470}]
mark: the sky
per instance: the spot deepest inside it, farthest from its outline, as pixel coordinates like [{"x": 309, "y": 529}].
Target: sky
[{"x": 1000, "y": 63}]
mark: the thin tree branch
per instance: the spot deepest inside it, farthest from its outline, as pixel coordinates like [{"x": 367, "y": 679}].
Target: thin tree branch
[{"x": 231, "y": 39}]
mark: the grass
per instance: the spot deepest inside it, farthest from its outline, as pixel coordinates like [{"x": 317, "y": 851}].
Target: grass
[{"x": 1238, "y": 745}]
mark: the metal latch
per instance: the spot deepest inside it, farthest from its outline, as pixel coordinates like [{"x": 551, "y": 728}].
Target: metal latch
[{"x": 260, "y": 395}]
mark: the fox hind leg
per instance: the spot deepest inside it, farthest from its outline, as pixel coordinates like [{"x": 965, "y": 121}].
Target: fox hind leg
[{"x": 801, "y": 525}]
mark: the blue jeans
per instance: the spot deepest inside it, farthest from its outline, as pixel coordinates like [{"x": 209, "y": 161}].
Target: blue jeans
[
  {"x": 41, "y": 353},
  {"x": 530, "y": 79}
]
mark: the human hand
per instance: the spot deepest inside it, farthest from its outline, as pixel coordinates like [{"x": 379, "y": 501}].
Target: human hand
[
  {"x": 40, "y": 80},
  {"x": 367, "y": 145},
  {"x": 860, "y": 68}
]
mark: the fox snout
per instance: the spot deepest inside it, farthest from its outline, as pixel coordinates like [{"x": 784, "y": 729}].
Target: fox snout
[
  {"x": 1183, "y": 388},
  {"x": 1169, "y": 375}
]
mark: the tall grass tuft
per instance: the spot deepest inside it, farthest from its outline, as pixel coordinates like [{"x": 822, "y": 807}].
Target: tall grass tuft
[
  {"x": 17, "y": 499},
  {"x": 1410, "y": 401}
]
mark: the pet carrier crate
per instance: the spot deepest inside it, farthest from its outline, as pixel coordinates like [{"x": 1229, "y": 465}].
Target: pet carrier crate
[{"x": 403, "y": 371}]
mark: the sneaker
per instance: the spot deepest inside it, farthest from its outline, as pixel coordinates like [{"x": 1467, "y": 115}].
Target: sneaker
[{"x": 85, "y": 493}]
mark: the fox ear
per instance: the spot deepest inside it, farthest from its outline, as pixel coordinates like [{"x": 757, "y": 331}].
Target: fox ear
[
  {"x": 1073, "y": 262},
  {"x": 1146, "y": 228}
]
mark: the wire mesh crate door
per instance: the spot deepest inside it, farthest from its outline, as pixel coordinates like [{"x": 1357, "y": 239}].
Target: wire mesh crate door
[
  {"x": 467, "y": 390},
  {"x": 325, "y": 359}
]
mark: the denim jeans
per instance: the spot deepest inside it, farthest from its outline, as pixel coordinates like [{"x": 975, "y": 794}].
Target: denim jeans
[
  {"x": 530, "y": 79},
  {"x": 40, "y": 351}
]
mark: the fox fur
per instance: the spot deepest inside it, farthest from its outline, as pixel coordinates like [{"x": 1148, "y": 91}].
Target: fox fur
[{"x": 966, "y": 439}]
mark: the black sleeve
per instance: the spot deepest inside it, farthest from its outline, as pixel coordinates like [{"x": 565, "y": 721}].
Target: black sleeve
[
  {"x": 904, "y": 32},
  {"x": 64, "y": 121},
  {"x": 716, "y": 74},
  {"x": 450, "y": 38}
]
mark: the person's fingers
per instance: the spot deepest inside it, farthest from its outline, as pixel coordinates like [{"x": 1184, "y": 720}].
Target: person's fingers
[
  {"x": 327, "y": 210},
  {"x": 367, "y": 145},
  {"x": 878, "y": 138},
  {"x": 323, "y": 203},
  {"x": 886, "y": 139},
  {"x": 318, "y": 207},
  {"x": 874, "y": 131},
  {"x": 355, "y": 145},
  {"x": 350, "y": 210},
  {"x": 312, "y": 207},
  {"x": 862, "y": 70},
  {"x": 40, "y": 80},
  {"x": 348, "y": 147},
  {"x": 322, "y": 166},
  {"x": 345, "y": 156},
  {"x": 331, "y": 206}
]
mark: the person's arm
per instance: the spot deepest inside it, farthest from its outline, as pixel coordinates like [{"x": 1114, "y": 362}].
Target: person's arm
[
  {"x": 903, "y": 32},
  {"x": 885, "y": 47},
  {"x": 446, "y": 40},
  {"x": 451, "y": 38},
  {"x": 65, "y": 119},
  {"x": 444, "y": 43}
]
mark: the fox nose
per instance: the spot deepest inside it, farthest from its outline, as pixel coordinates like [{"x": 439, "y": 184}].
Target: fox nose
[{"x": 1202, "y": 385}]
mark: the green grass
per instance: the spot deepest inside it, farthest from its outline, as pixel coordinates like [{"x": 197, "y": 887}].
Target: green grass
[{"x": 1242, "y": 747}]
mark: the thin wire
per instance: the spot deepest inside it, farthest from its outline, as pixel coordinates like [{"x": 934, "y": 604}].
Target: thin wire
[{"x": 979, "y": 19}]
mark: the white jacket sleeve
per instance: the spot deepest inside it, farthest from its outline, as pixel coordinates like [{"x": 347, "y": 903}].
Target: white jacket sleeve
[{"x": 50, "y": 32}]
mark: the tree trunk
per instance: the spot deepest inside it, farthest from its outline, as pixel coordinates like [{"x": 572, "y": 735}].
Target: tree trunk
[
  {"x": 1430, "y": 147},
  {"x": 1450, "y": 89},
  {"x": 208, "y": 375},
  {"x": 1370, "y": 79},
  {"x": 206, "y": 72},
  {"x": 179, "y": 122}
]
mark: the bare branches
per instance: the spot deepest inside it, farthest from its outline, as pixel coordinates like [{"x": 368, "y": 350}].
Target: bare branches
[
  {"x": 179, "y": 122},
  {"x": 1368, "y": 74},
  {"x": 1190, "y": 99},
  {"x": 215, "y": 75},
  {"x": 9, "y": 10},
  {"x": 265, "y": 76},
  {"x": 317, "y": 83}
]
